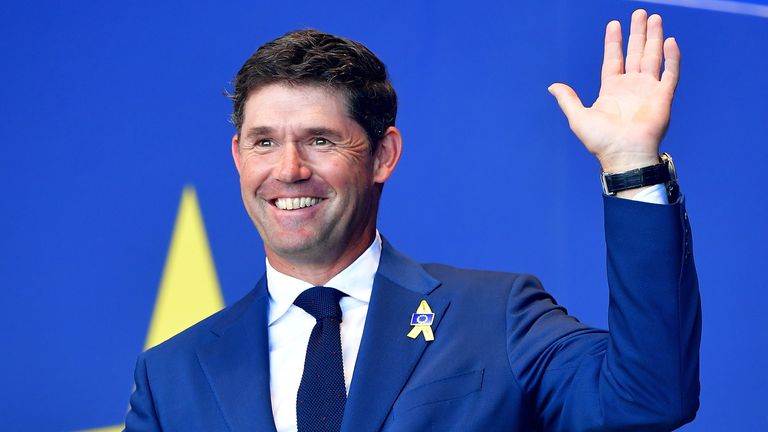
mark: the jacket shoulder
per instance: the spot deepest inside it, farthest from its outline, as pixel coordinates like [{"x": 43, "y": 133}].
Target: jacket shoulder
[
  {"x": 203, "y": 331},
  {"x": 484, "y": 287}
]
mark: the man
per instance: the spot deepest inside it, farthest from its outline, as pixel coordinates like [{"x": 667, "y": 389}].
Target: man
[{"x": 328, "y": 339}]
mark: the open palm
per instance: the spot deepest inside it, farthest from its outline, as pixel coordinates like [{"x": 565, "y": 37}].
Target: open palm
[{"x": 625, "y": 125}]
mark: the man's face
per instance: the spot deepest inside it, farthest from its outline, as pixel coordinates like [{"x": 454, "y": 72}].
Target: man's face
[{"x": 307, "y": 176}]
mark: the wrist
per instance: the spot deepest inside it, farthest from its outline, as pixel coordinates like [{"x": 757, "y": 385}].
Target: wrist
[
  {"x": 616, "y": 163},
  {"x": 627, "y": 184}
]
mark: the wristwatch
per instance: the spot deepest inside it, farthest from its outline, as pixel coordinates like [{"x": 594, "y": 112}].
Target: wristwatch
[{"x": 663, "y": 172}]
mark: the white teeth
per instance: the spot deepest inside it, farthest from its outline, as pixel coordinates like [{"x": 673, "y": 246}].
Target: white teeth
[{"x": 295, "y": 203}]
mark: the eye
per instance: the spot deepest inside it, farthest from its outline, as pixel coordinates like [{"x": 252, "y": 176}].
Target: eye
[
  {"x": 265, "y": 143},
  {"x": 320, "y": 141}
]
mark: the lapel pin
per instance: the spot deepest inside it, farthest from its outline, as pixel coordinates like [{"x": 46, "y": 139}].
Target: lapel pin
[{"x": 421, "y": 322}]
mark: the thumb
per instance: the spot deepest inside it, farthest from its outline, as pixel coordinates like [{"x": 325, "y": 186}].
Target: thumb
[{"x": 568, "y": 100}]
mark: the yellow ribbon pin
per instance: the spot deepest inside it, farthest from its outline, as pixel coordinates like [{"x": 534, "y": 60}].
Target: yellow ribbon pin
[{"x": 422, "y": 322}]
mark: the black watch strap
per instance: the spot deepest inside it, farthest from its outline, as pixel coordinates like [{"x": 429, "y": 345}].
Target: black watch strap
[{"x": 663, "y": 172}]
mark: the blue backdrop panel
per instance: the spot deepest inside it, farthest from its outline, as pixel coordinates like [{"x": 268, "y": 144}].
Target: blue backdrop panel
[{"x": 109, "y": 109}]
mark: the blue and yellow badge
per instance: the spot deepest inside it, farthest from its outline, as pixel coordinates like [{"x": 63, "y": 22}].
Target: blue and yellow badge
[{"x": 422, "y": 322}]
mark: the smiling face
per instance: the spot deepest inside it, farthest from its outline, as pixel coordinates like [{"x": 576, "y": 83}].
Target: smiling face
[{"x": 307, "y": 176}]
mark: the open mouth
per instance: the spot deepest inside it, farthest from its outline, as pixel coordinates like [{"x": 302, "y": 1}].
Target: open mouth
[{"x": 296, "y": 203}]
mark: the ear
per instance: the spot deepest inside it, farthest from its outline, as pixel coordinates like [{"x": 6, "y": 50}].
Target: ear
[
  {"x": 387, "y": 154},
  {"x": 236, "y": 151}
]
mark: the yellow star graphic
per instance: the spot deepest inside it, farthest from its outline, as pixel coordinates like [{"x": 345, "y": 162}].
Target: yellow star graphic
[{"x": 189, "y": 290}]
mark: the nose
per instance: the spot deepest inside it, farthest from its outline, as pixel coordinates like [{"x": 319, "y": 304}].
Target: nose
[{"x": 291, "y": 167}]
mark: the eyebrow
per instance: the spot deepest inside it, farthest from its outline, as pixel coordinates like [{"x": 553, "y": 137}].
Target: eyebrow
[
  {"x": 310, "y": 131},
  {"x": 259, "y": 130},
  {"x": 323, "y": 131}
]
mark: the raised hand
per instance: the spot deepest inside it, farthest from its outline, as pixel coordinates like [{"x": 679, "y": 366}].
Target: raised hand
[{"x": 625, "y": 125}]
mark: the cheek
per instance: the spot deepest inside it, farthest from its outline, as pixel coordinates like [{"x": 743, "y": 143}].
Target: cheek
[
  {"x": 246, "y": 179},
  {"x": 253, "y": 173},
  {"x": 353, "y": 179}
]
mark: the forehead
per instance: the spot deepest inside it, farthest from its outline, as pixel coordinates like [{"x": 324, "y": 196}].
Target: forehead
[{"x": 284, "y": 104}]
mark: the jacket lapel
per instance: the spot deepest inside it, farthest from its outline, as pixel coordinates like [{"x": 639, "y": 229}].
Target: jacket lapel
[
  {"x": 236, "y": 363},
  {"x": 387, "y": 356}
]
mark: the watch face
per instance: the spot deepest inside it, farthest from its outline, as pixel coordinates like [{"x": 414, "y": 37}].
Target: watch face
[
  {"x": 604, "y": 183},
  {"x": 666, "y": 158}
]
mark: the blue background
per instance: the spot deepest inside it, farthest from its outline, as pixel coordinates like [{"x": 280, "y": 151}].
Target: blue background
[{"x": 108, "y": 109}]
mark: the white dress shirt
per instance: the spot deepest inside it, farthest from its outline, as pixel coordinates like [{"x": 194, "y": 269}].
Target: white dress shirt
[
  {"x": 290, "y": 326},
  {"x": 656, "y": 194}
]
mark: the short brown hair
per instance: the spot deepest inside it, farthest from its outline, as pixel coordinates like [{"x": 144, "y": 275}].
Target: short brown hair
[{"x": 311, "y": 57}]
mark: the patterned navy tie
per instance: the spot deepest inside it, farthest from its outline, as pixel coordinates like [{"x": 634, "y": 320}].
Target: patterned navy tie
[{"x": 322, "y": 393}]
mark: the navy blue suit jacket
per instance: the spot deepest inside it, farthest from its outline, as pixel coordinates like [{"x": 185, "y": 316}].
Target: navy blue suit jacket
[{"x": 505, "y": 355}]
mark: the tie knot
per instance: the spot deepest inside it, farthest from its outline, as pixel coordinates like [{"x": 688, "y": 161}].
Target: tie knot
[{"x": 321, "y": 302}]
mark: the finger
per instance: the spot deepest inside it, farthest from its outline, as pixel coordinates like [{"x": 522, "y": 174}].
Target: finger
[
  {"x": 651, "y": 62},
  {"x": 613, "y": 58},
  {"x": 568, "y": 100},
  {"x": 636, "y": 43},
  {"x": 671, "y": 63}
]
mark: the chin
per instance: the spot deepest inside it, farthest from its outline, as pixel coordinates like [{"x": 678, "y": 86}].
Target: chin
[{"x": 298, "y": 248}]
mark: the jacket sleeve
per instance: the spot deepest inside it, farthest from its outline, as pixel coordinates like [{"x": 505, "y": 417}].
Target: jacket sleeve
[
  {"x": 141, "y": 415},
  {"x": 643, "y": 373}
]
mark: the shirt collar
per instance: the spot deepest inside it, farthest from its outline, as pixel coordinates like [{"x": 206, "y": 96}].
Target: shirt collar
[{"x": 355, "y": 281}]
